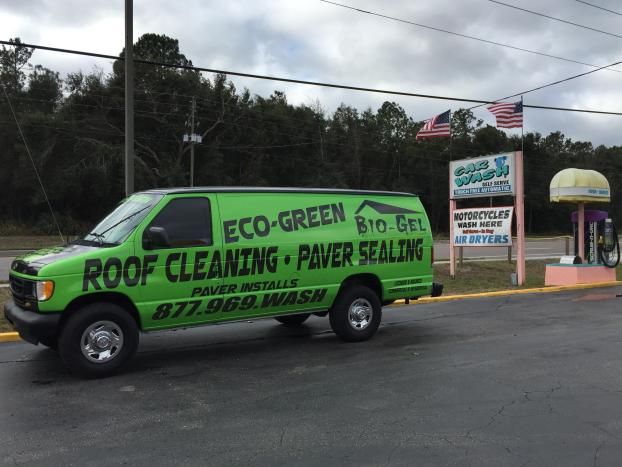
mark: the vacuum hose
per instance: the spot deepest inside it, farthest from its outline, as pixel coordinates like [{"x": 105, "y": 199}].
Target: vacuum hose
[{"x": 610, "y": 251}]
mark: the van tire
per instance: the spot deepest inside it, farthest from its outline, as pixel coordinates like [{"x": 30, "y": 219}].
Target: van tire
[
  {"x": 118, "y": 336},
  {"x": 356, "y": 313},
  {"x": 293, "y": 320}
]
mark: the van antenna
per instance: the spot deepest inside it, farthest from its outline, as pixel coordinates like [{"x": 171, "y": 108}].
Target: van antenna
[{"x": 33, "y": 163}]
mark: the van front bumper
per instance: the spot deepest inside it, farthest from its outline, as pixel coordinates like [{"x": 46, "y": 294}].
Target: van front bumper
[
  {"x": 437, "y": 289},
  {"x": 32, "y": 326}
]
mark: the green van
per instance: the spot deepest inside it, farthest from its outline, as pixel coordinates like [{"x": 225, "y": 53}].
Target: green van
[{"x": 175, "y": 258}]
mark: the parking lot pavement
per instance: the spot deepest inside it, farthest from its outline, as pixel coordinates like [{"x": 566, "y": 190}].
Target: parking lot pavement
[{"x": 518, "y": 380}]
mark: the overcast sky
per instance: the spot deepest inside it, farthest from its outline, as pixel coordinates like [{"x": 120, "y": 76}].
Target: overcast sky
[{"x": 311, "y": 40}]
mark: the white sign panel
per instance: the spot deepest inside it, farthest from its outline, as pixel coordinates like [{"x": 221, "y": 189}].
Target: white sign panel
[
  {"x": 483, "y": 226},
  {"x": 580, "y": 192},
  {"x": 482, "y": 177}
]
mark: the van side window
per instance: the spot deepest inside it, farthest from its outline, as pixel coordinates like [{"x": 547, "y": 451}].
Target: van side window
[{"x": 187, "y": 221}]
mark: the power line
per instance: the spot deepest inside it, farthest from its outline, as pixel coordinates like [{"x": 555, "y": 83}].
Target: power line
[
  {"x": 274, "y": 146},
  {"x": 550, "y": 84},
  {"x": 428, "y": 147},
  {"x": 557, "y": 19},
  {"x": 599, "y": 7},
  {"x": 308, "y": 141},
  {"x": 226, "y": 123},
  {"x": 241, "y": 149},
  {"x": 147, "y": 114},
  {"x": 248, "y": 75},
  {"x": 466, "y": 36},
  {"x": 310, "y": 83},
  {"x": 267, "y": 114},
  {"x": 271, "y": 131}
]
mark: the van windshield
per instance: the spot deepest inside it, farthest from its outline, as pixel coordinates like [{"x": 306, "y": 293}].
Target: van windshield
[{"x": 118, "y": 225}]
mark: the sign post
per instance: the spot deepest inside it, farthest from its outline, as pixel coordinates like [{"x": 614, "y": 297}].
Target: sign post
[
  {"x": 483, "y": 177},
  {"x": 452, "y": 250},
  {"x": 519, "y": 203}
]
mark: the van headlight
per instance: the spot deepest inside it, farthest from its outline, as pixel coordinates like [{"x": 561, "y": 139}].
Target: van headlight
[{"x": 44, "y": 290}]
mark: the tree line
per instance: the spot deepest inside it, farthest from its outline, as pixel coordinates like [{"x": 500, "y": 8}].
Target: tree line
[{"x": 74, "y": 127}]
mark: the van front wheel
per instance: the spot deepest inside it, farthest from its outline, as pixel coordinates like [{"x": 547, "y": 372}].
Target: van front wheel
[
  {"x": 356, "y": 314},
  {"x": 97, "y": 339}
]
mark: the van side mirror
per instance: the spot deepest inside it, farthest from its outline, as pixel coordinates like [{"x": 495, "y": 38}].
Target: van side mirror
[{"x": 155, "y": 237}]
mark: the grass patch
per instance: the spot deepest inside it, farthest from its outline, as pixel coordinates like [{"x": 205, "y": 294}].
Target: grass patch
[
  {"x": 473, "y": 277},
  {"x": 28, "y": 242}
]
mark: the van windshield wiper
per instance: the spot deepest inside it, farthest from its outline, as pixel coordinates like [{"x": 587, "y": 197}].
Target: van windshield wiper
[{"x": 100, "y": 236}]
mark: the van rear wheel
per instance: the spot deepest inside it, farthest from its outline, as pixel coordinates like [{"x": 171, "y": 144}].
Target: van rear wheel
[
  {"x": 356, "y": 313},
  {"x": 97, "y": 339},
  {"x": 293, "y": 320}
]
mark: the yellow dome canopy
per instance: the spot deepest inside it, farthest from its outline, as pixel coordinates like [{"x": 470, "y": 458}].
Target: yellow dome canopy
[{"x": 579, "y": 185}]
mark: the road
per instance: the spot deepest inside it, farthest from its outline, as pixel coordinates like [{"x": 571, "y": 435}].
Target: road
[
  {"x": 518, "y": 380},
  {"x": 536, "y": 249},
  {"x": 5, "y": 266}
]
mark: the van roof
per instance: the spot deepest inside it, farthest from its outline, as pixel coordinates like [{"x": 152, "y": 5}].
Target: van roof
[{"x": 255, "y": 189}]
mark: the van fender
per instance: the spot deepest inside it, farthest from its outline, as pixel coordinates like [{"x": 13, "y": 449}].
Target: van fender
[
  {"x": 367, "y": 279},
  {"x": 117, "y": 298}
]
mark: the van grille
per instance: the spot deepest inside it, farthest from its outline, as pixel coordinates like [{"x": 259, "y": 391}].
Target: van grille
[{"x": 23, "y": 291}]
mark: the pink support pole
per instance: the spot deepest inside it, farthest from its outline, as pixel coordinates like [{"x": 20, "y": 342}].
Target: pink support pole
[
  {"x": 519, "y": 204},
  {"x": 581, "y": 222},
  {"x": 452, "y": 248}
]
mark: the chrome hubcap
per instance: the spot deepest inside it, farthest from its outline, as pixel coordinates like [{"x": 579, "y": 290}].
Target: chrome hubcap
[
  {"x": 101, "y": 341},
  {"x": 360, "y": 314}
]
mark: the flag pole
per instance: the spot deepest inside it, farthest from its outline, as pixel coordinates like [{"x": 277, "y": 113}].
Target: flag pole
[
  {"x": 450, "y": 138},
  {"x": 522, "y": 126},
  {"x": 519, "y": 206},
  {"x": 452, "y": 208}
]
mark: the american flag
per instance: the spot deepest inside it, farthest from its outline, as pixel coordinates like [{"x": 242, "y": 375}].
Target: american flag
[
  {"x": 508, "y": 114},
  {"x": 435, "y": 127}
]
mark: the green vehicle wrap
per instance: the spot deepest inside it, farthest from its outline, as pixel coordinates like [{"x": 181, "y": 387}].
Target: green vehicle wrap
[{"x": 237, "y": 254}]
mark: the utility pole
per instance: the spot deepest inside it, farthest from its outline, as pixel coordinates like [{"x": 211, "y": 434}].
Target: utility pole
[
  {"x": 129, "y": 99},
  {"x": 194, "y": 106},
  {"x": 192, "y": 138}
]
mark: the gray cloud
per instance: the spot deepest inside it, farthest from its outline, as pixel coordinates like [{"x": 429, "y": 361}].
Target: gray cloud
[
  {"x": 61, "y": 12},
  {"x": 311, "y": 40}
]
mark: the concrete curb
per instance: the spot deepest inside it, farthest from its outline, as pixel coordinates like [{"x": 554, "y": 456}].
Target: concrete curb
[
  {"x": 14, "y": 337},
  {"x": 9, "y": 337},
  {"x": 501, "y": 293}
]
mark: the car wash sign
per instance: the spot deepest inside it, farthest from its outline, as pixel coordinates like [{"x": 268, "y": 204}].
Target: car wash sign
[
  {"x": 483, "y": 226},
  {"x": 482, "y": 177}
]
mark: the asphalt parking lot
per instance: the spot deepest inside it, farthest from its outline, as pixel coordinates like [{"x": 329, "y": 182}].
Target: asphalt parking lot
[{"x": 519, "y": 380}]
